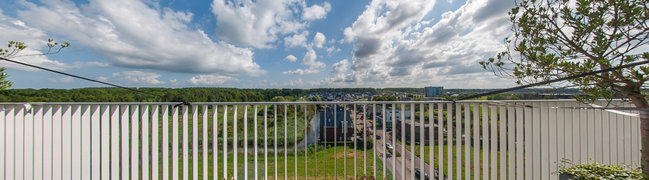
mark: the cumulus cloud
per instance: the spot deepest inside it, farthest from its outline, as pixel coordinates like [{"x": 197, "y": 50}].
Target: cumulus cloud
[
  {"x": 138, "y": 77},
  {"x": 101, "y": 78},
  {"x": 65, "y": 80},
  {"x": 210, "y": 79},
  {"x": 133, "y": 34},
  {"x": 319, "y": 39},
  {"x": 16, "y": 30},
  {"x": 290, "y": 58},
  {"x": 394, "y": 43},
  {"x": 309, "y": 59},
  {"x": 340, "y": 66},
  {"x": 296, "y": 40},
  {"x": 259, "y": 23},
  {"x": 316, "y": 11}
]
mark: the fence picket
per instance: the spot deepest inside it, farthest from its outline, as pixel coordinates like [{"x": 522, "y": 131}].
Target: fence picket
[
  {"x": 114, "y": 142},
  {"x": 502, "y": 135},
  {"x": 37, "y": 142},
  {"x": 185, "y": 145},
  {"x": 155, "y": 143},
  {"x": 204, "y": 146},
  {"x": 135, "y": 138},
  {"x": 194, "y": 141},
  {"x": 520, "y": 140},
  {"x": 95, "y": 146},
  {"x": 175, "y": 147},
  {"x": 144, "y": 114},
  {"x": 47, "y": 141},
  {"x": 19, "y": 145}
]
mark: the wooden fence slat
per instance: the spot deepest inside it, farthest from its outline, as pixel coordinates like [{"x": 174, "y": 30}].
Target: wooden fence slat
[
  {"x": 135, "y": 138},
  {"x": 520, "y": 122},
  {"x": 175, "y": 147},
  {"x": 502, "y": 142},
  {"x": 144, "y": 114},
  {"x": 85, "y": 141},
  {"x": 34, "y": 144},
  {"x": 125, "y": 168},
  {"x": 511, "y": 142},
  {"x": 19, "y": 145},
  {"x": 3, "y": 130},
  {"x": 10, "y": 142},
  {"x": 215, "y": 152},
  {"x": 95, "y": 150},
  {"x": 105, "y": 142},
  {"x": 552, "y": 141},
  {"x": 115, "y": 171},
  {"x": 194, "y": 142},
  {"x": 155, "y": 142},
  {"x": 528, "y": 151},
  {"x": 485, "y": 141},
  {"x": 185, "y": 115},
  {"x": 205, "y": 146},
  {"x": 66, "y": 142},
  {"x": 493, "y": 136},
  {"x": 47, "y": 142},
  {"x": 37, "y": 143},
  {"x": 476, "y": 141}
]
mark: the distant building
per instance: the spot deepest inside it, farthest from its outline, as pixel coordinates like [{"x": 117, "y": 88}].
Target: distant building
[
  {"x": 388, "y": 117},
  {"x": 330, "y": 123},
  {"x": 432, "y": 91}
]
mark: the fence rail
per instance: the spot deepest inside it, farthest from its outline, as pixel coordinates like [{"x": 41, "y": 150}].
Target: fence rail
[{"x": 300, "y": 140}]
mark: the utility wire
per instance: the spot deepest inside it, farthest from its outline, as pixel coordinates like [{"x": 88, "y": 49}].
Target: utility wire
[
  {"x": 554, "y": 80},
  {"x": 79, "y": 77}
]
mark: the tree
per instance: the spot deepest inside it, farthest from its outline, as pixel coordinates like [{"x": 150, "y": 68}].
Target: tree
[
  {"x": 560, "y": 38},
  {"x": 15, "y": 47}
]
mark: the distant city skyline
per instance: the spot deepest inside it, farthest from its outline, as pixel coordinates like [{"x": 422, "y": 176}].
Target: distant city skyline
[{"x": 259, "y": 44}]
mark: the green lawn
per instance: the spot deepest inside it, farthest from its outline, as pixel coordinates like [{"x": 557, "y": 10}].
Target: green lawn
[{"x": 330, "y": 156}]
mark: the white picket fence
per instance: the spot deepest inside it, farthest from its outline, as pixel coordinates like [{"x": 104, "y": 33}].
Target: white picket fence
[{"x": 516, "y": 139}]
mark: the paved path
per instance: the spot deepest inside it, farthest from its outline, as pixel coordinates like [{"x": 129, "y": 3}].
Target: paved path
[{"x": 404, "y": 154}]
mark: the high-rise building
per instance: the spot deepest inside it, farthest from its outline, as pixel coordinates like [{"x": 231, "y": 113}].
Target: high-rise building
[{"x": 432, "y": 91}]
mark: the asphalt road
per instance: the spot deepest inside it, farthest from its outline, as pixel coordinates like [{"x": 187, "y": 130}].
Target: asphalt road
[{"x": 405, "y": 156}]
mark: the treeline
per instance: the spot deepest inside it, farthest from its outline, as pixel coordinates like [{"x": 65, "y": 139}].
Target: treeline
[{"x": 175, "y": 95}]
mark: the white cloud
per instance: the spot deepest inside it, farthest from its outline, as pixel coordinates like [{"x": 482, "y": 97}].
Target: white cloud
[
  {"x": 319, "y": 39},
  {"x": 296, "y": 40},
  {"x": 65, "y": 80},
  {"x": 259, "y": 23},
  {"x": 290, "y": 58},
  {"x": 316, "y": 11},
  {"x": 16, "y": 30},
  {"x": 101, "y": 78},
  {"x": 309, "y": 59},
  {"x": 340, "y": 66},
  {"x": 132, "y": 34},
  {"x": 394, "y": 44},
  {"x": 295, "y": 83},
  {"x": 211, "y": 79},
  {"x": 138, "y": 77}
]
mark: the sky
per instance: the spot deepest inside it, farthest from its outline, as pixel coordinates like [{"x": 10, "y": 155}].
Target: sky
[{"x": 258, "y": 43}]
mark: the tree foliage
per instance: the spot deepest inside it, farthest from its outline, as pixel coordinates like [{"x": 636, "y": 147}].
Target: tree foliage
[
  {"x": 15, "y": 47},
  {"x": 560, "y": 38}
]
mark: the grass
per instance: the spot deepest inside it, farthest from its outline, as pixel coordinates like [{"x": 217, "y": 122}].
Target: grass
[{"x": 310, "y": 165}]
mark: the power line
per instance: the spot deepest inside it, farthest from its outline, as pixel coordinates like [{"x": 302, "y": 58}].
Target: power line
[
  {"x": 554, "y": 80},
  {"x": 79, "y": 77}
]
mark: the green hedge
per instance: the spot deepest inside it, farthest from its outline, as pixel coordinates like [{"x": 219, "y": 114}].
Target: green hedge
[{"x": 600, "y": 171}]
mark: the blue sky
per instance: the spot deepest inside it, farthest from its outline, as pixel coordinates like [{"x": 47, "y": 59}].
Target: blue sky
[{"x": 259, "y": 44}]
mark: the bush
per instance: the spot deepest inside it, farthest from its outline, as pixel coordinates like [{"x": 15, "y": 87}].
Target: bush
[{"x": 601, "y": 171}]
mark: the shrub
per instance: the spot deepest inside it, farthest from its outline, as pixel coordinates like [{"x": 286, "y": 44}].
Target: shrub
[{"x": 601, "y": 171}]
